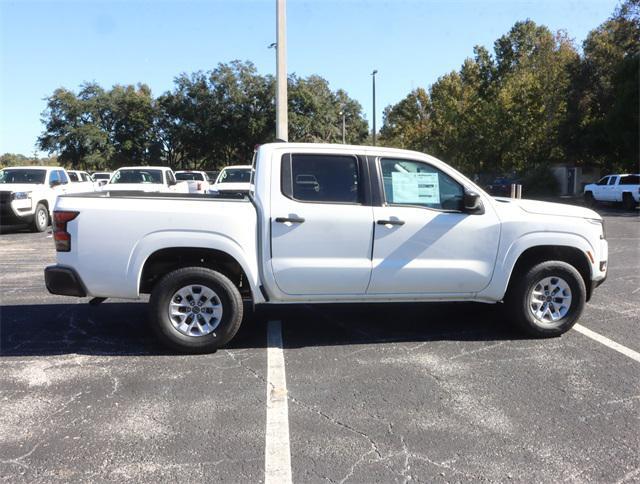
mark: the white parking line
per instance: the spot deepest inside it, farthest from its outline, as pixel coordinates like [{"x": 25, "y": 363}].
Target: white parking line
[
  {"x": 277, "y": 458},
  {"x": 634, "y": 355}
]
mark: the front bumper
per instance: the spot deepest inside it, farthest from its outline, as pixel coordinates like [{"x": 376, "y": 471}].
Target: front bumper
[
  {"x": 14, "y": 212},
  {"x": 64, "y": 281}
]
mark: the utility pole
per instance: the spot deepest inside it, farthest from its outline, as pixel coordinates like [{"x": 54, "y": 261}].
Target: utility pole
[
  {"x": 373, "y": 76},
  {"x": 282, "y": 128},
  {"x": 344, "y": 130}
]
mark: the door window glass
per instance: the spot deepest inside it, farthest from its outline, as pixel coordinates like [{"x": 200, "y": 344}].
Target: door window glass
[
  {"x": 603, "y": 181},
  {"x": 408, "y": 182},
  {"x": 73, "y": 177},
  {"x": 54, "y": 178},
  {"x": 321, "y": 178},
  {"x": 612, "y": 180},
  {"x": 63, "y": 177}
]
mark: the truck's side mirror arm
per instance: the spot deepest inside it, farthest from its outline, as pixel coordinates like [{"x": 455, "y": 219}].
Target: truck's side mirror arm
[{"x": 473, "y": 203}]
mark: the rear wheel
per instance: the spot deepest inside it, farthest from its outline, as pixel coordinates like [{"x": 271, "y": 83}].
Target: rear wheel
[
  {"x": 548, "y": 300},
  {"x": 195, "y": 310},
  {"x": 628, "y": 202},
  {"x": 40, "y": 218}
]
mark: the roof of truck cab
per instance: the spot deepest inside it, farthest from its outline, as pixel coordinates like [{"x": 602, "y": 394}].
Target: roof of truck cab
[
  {"x": 144, "y": 168},
  {"x": 332, "y": 146},
  {"x": 237, "y": 166},
  {"x": 33, "y": 167}
]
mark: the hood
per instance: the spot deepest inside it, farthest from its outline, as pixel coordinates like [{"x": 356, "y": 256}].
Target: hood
[
  {"x": 20, "y": 187},
  {"x": 548, "y": 208},
  {"x": 132, "y": 187}
]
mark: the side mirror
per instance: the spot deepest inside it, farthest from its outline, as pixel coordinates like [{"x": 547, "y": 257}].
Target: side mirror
[
  {"x": 54, "y": 183},
  {"x": 473, "y": 203}
]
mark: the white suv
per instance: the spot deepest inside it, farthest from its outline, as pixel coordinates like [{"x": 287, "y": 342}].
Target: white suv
[{"x": 28, "y": 194}]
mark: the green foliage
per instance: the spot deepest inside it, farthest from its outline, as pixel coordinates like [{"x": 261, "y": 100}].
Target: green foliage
[
  {"x": 208, "y": 120},
  {"x": 534, "y": 102},
  {"x": 539, "y": 182},
  {"x": 12, "y": 159}
]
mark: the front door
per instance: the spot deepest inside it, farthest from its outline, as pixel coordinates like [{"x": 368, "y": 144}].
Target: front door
[
  {"x": 424, "y": 242},
  {"x": 321, "y": 228}
]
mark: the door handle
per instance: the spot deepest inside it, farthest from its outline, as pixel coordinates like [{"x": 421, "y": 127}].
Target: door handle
[
  {"x": 390, "y": 222},
  {"x": 293, "y": 220}
]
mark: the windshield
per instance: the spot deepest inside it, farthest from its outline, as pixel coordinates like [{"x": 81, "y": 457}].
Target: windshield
[
  {"x": 137, "y": 176},
  {"x": 101, "y": 176},
  {"x": 235, "y": 175},
  {"x": 189, "y": 176},
  {"x": 22, "y": 176}
]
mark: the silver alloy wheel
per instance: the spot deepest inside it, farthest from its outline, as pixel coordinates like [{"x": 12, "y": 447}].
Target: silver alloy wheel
[
  {"x": 195, "y": 310},
  {"x": 42, "y": 218},
  {"x": 550, "y": 300}
]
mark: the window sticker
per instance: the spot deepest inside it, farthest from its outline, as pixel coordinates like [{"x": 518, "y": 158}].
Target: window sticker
[{"x": 415, "y": 188}]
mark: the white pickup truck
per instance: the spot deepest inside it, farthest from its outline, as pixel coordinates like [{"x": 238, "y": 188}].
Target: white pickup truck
[
  {"x": 146, "y": 179},
  {"x": 615, "y": 188},
  {"x": 28, "y": 194},
  {"x": 328, "y": 224}
]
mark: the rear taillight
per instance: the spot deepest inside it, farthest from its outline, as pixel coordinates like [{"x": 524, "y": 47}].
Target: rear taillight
[{"x": 61, "y": 237}]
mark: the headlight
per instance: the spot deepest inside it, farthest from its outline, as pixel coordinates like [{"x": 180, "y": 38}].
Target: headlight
[
  {"x": 20, "y": 195},
  {"x": 599, "y": 222}
]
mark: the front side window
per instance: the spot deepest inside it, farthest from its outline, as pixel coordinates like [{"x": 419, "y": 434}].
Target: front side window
[
  {"x": 321, "y": 178},
  {"x": 54, "y": 178},
  {"x": 612, "y": 180},
  {"x": 408, "y": 182},
  {"x": 73, "y": 176},
  {"x": 63, "y": 177},
  {"x": 603, "y": 181}
]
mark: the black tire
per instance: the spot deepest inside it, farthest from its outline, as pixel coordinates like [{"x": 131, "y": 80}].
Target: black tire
[
  {"x": 628, "y": 202},
  {"x": 40, "y": 218},
  {"x": 589, "y": 200},
  {"x": 227, "y": 293},
  {"x": 518, "y": 303}
]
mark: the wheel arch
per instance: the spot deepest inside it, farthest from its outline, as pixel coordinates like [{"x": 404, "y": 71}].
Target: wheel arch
[
  {"x": 168, "y": 259},
  {"x": 163, "y": 251},
  {"x": 541, "y": 253}
]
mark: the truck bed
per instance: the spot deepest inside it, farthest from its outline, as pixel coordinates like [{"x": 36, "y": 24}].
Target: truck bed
[{"x": 116, "y": 232}]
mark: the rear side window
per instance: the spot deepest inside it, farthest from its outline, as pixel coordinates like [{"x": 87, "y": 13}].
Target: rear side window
[
  {"x": 630, "y": 180},
  {"x": 321, "y": 178},
  {"x": 409, "y": 182}
]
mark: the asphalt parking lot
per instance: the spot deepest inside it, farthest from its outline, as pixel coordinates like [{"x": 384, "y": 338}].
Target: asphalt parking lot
[{"x": 396, "y": 393}]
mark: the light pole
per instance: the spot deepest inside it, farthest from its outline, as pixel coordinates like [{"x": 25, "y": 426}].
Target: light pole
[
  {"x": 344, "y": 131},
  {"x": 373, "y": 77},
  {"x": 282, "y": 129}
]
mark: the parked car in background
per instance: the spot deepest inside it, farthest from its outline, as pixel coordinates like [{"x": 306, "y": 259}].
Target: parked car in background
[
  {"x": 146, "y": 179},
  {"x": 197, "y": 180},
  {"x": 81, "y": 181},
  {"x": 101, "y": 177},
  {"x": 624, "y": 188},
  {"x": 329, "y": 224},
  {"x": 233, "y": 179},
  {"x": 212, "y": 175},
  {"x": 501, "y": 186},
  {"x": 28, "y": 194}
]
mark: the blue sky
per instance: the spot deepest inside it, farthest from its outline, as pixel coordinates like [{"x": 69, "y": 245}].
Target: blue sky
[{"x": 48, "y": 44}]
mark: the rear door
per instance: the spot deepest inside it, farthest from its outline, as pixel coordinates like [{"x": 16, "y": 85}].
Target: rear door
[
  {"x": 321, "y": 225},
  {"x": 425, "y": 244}
]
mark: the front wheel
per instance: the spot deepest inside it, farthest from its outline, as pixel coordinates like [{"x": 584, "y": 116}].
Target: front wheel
[
  {"x": 40, "y": 218},
  {"x": 195, "y": 310},
  {"x": 589, "y": 199},
  {"x": 548, "y": 300}
]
